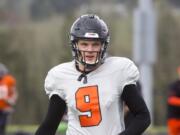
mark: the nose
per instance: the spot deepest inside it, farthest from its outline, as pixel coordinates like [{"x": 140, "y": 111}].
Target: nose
[{"x": 90, "y": 48}]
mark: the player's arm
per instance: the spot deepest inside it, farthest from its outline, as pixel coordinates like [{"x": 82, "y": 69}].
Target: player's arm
[
  {"x": 139, "y": 109},
  {"x": 174, "y": 101},
  {"x": 11, "y": 85},
  {"x": 11, "y": 100},
  {"x": 56, "y": 110}
]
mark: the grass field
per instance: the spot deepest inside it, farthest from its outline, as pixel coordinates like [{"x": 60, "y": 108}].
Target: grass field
[{"x": 12, "y": 129}]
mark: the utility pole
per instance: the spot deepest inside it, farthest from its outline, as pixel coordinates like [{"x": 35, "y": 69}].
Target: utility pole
[{"x": 144, "y": 47}]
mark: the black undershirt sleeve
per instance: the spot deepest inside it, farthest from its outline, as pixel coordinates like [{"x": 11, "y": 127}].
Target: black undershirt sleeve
[
  {"x": 56, "y": 110},
  {"x": 137, "y": 106}
]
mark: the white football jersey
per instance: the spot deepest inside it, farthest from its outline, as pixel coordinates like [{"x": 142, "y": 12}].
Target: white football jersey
[{"x": 94, "y": 108}]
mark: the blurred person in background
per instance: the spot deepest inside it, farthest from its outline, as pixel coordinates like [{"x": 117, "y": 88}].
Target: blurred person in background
[
  {"x": 93, "y": 87},
  {"x": 8, "y": 96},
  {"x": 173, "y": 120}
]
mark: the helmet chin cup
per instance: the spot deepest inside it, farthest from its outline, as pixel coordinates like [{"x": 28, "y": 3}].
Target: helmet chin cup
[{"x": 88, "y": 65}]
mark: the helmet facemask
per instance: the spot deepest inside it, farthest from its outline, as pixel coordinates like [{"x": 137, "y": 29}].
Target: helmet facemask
[{"x": 79, "y": 56}]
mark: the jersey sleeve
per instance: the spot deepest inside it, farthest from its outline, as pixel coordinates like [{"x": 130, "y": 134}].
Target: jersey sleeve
[
  {"x": 131, "y": 73},
  {"x": 10, "y": 80},
  {"x": 52, "y": 85}
]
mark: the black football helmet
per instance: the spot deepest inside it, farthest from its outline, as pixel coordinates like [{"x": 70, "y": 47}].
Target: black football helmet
[
  {"x": 3, "y": 70},
  {"x": 89, "y": 27}
]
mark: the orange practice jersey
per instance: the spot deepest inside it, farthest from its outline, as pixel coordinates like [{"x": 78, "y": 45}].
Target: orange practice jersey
[{"x": 7, "y": 91}]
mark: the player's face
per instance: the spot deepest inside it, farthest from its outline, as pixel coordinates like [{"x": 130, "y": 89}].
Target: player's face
[{"x": 89, "y": 50}]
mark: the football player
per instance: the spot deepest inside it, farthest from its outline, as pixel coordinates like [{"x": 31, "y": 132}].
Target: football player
[
  {"x": 93, "y": 87},
  {"x": 8, "y": 96},
  {"x": 173, "y": 102}
]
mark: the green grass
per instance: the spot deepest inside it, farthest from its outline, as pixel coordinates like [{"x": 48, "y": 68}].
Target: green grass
[
  {"x": 26, "y": 128},
  {"x": 157, "y": 130},
  {"x": 32, "y": 128},
  {"x": 152, "y": 130}
]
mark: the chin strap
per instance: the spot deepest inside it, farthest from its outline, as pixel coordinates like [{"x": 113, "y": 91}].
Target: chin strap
[
  {"x": 83, "y": 75},
  {"x": 84, "y": 72}
]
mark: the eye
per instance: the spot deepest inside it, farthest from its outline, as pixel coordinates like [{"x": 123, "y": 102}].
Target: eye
[
  {"x": 97, "y": 44},
  {"x": 83, "y": 45}
]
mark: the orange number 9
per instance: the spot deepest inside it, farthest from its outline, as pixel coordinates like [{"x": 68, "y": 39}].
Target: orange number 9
[{"x": 87, "y": 100}]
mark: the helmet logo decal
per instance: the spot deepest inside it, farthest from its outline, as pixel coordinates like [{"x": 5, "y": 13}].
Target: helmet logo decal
[{"x": 91, "y": 35}]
